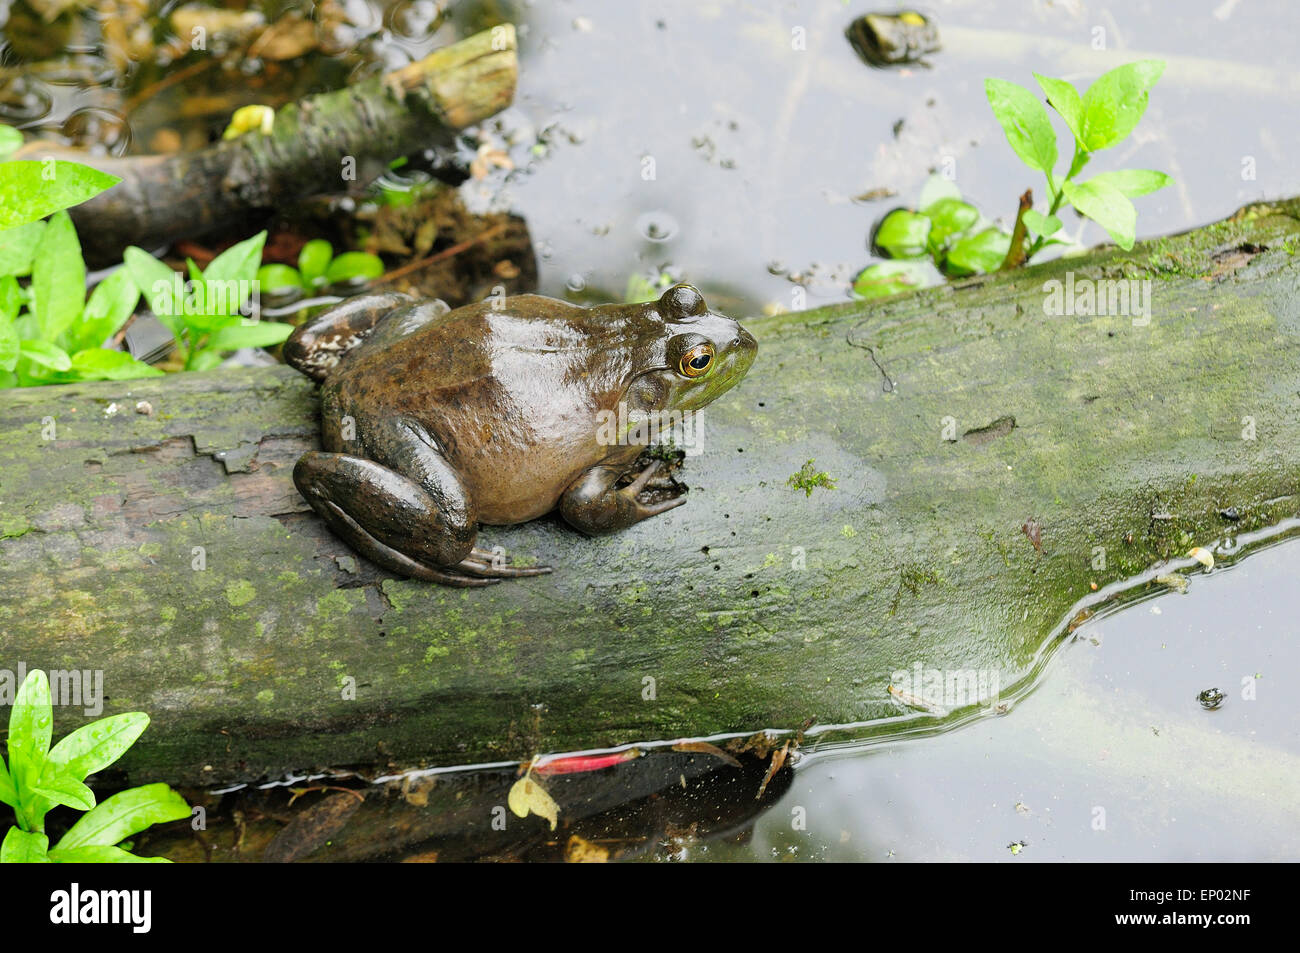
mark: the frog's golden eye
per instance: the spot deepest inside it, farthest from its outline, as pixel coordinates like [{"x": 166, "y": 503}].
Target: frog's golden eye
[{"x": 697, "y": 361}]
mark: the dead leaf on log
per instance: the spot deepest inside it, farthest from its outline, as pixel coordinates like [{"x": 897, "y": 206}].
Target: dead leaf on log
[{"x": 313, "y": 827}]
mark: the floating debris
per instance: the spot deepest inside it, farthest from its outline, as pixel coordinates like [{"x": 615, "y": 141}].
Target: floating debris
[
  {"x": 1202, "y": 556},
  {"x": 916, "y": 701},
  {"x": 1173, "y": 581},
  {"x": 1211, "y": 698},
  {"x": 528, "y": 797}
]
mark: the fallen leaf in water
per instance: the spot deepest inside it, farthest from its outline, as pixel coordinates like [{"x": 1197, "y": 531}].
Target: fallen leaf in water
[
  {"x": 579, "y": 851},
  {"x": 778, "y": 759},
  {"x": 703, "y": 747},
  {"x": 312, "y": 827},
  {"x": 1173, "y": 581},
  {"x": 529, "y": 797},
  {"x": 1202, "y": 556},
  {"x": 286, "y": 39},
  {"x": 1080, "y": 618}
]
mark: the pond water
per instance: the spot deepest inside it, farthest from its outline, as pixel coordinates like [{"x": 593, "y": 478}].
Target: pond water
[{"x": 761, "y": 126}]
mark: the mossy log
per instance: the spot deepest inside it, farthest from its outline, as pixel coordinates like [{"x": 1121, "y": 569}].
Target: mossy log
[
  {"x": 991, "y": 464},
  {"x": 325, "y": 143}
]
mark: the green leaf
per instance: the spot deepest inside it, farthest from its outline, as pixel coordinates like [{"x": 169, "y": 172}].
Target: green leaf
[
  {"x": 31, "y": 190},
  {"x": 1107, "y": 206},
  {"x": 978, "y": 254},
  {"x": 902, "y": 234},
  {"x": 17, "y": 245},
  {"x": 1114, "y": 104},
  {"x": 9, "y": 341},
  {"x": 58, "y": 277},
  {"x": 1065, "y": 100},
  {"x": 937, "y": 187},
  {"x": 20, "y": 847},
  {"x": 93, "y": 747},
  {"x": 276, "y": 277},
  {"x": 101, "y": 364},
  {"x": 157, "y": 283},
  {"x": 1134, "y": 182},
  {"x": 124, "y": 814},
  {"x": 8, "y": 793},
  {"x": 111, "y": 303},
  {"x": 255, "y": 334},
  {"x": 205, "y": 359},
  {"x": 353, "y": 265},
  {"x": 57, "y": 786},
  {"x": 101, "y": 854},
  {"x": 894, "y": 277},
  {"x": 11, "y": 141},
  {"x": 1040, "y": 224},
  {"x": 44, "y": 354},
  {"x": 1024, "y": 120},
  {"x": 949, "y": 217},
  {"x": 31, "y": 724},
  {"x": 238, "y": 262},
  {"x": 314, "y": 260}
]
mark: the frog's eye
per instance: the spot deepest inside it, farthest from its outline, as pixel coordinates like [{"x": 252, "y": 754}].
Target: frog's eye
[{"x": 697, "y": 361}]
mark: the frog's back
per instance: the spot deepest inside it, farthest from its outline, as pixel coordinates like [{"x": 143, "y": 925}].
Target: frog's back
[{"x": 511, "y": 394}]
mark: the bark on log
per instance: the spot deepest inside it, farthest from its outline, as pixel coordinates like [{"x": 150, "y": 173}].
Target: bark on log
[
  {"x": 754, "y": 606},
  {"x": 163, "y": 198}
]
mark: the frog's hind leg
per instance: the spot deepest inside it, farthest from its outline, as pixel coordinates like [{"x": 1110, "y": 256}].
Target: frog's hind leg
[
  {"x": 318, "y": 345},
  {"x": 408, "y": 513}
]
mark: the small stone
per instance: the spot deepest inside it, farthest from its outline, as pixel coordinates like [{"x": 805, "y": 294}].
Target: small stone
[{"x": 144, "y": 407}]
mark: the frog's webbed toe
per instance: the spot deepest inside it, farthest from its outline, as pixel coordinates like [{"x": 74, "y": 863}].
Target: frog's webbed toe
[
  {"x": 391, "y": 520},
  {"x": 384, "y": 555},
  {"x": 595, "y": 506},
  {"x": 489, "y": 565}
]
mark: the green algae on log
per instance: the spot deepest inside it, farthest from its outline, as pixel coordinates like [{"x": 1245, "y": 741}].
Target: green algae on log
[
  {"x": 959, "y": 425},
  {"x": 321, "y": 144}
]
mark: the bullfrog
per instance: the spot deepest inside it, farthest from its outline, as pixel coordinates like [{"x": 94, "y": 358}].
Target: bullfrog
[
  {"x": 885, "y": 39},
  {"x": 435, "y": 421}
]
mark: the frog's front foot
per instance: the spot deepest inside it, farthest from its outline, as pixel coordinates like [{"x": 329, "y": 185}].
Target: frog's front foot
[
  {"x": 399, "y": 524},
  {"x": 594, "y": 506}
]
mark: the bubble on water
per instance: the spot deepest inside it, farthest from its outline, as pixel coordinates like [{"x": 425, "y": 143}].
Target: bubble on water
[
  {"x": 576, "y": 283},
  {"x": 24, "y": 99},
  {"x": 657, "y": 226}
]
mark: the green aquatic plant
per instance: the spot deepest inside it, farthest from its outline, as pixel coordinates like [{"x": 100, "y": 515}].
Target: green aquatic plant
[
  {"x": 49, "y": 331},
  {"x": 204, "y": 314},
  {"x": 808, "y": 479},
  {"x": 947, "y": 237},
  {"x": 1101, "y": 118},
  {"x": 39, "y": 778},
  {"x": 318, "y": 268}
]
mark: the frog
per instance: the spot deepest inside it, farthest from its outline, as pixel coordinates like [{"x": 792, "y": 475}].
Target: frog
[
  {"x": 893, "y": 39},
  {"x": 436, "y": 422}
]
